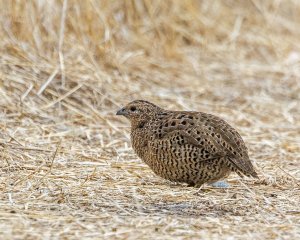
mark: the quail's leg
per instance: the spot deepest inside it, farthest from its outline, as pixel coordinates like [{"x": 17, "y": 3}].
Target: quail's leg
[{"x": 220, "y": 184}]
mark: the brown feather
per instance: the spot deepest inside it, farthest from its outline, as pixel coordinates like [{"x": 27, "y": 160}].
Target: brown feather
[{"x": 191, "y": 147}]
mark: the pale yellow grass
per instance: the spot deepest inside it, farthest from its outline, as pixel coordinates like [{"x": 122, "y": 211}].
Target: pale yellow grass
[{"x": 67, "y": 169}]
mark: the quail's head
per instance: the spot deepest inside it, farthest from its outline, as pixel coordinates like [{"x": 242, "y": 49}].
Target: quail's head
[{"x": 138, "y": 111}]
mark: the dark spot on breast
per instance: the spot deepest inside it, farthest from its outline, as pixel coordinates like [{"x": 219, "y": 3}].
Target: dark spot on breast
[
  {"x": 166, "y": 125},
  {"x": 173, "y": 124},
  {"x": 190, "y": 117},
  {"x": 183, "y": 122}
]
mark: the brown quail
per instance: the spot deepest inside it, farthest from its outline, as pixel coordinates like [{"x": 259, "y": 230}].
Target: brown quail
[{"x": 189, "y": 147}]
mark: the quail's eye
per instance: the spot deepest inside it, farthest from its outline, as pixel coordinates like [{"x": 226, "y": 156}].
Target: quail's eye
[{"x": 133, "y": 109}]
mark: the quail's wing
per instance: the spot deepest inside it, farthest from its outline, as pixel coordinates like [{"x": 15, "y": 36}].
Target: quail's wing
[
  {"x": 181, "y": 138},
  {"x": 206, "y": 132},
  {"x": 229, "y": 139}
]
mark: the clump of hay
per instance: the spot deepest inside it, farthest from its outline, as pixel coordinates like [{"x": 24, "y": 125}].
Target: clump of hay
[{"x": 67, "y": 169}]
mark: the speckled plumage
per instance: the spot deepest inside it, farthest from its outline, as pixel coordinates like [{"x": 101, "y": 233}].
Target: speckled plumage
[{"x": 190, "y": 147}]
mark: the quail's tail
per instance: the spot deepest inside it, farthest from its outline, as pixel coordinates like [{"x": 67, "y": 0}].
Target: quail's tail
[{"x": 244, "y": 167}]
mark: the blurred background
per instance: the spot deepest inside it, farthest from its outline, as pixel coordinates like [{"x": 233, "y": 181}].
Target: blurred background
[
  {"x": 178, "y": 52},
  {"x": 66, "y": 66}
]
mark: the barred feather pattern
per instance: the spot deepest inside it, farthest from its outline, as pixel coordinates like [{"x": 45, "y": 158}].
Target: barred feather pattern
[{"x": 185, "y": 146}]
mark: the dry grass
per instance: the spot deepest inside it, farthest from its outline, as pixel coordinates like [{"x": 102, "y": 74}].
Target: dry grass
[{"x": 67, "y": 168}]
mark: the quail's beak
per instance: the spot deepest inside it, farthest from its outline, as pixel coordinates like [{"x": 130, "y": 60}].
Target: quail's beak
[{"x": 122, "y": 111}]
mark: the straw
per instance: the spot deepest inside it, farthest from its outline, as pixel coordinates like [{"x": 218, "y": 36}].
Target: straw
[{"x": 67, "y": 168}]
